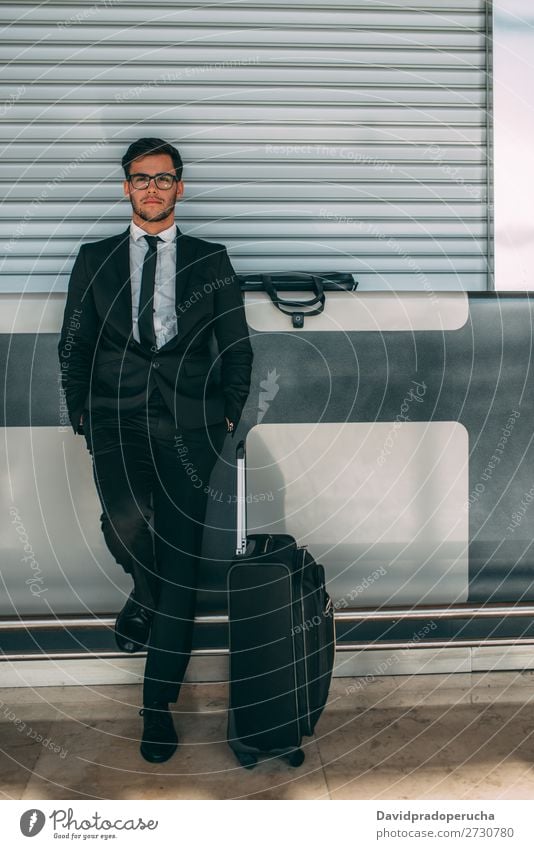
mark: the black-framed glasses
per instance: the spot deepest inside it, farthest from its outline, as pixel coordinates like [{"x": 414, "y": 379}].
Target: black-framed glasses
[{"x": 163, "y": 181}]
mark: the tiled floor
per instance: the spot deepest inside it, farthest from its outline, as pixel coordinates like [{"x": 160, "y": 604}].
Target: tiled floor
[{"x": 413, "y": 737}]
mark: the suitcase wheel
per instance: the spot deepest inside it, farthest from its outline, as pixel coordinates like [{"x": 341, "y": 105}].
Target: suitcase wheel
[
  {"x": 247, "y": 760},
  {"x": 295, "y": 758}
]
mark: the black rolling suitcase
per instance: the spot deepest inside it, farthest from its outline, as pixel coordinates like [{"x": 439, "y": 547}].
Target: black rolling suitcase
[{"x": 281, "y": 639}]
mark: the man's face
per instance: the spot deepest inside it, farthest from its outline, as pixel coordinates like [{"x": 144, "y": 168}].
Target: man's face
[{"x": 153, "y": 204}]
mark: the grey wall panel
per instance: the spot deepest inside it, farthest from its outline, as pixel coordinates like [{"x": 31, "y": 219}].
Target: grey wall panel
[
  {"x": 372, "y": 311},
  {"x": 476, "y": 367},
  {"x": 297, "y": 122},
  {"x": 379, "y": 506},
  {"x": 54, "y": 558},
  {"x": 479, "y": 373}
]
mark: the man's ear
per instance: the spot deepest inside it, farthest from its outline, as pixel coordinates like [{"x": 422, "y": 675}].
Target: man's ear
[
  {"x": 126, "y": 188},
  {"x": 179, "y": 188}
]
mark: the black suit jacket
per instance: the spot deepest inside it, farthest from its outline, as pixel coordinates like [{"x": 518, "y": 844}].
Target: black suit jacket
[{"x": 104, "y": 368}]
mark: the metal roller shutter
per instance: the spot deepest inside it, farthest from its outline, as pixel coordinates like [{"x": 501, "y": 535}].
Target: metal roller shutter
[{"x": 349, "y": 136}]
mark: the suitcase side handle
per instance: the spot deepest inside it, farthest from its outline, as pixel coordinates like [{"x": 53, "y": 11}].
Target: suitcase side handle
[{"x": 240, "y": 456}]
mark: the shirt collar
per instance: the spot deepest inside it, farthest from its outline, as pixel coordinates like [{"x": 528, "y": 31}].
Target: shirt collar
[{"x": 167, "y": 235}]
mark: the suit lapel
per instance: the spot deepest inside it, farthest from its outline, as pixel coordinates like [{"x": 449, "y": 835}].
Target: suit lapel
[
  {"x": 122, "y": 306},
  {"x": 185, "y": 256}
]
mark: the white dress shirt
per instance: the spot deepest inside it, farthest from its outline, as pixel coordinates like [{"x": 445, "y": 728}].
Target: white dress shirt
[{"x": 165, "y": 321}]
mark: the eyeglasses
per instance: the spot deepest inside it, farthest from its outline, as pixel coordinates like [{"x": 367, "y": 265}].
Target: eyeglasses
[{"x": 163, "y": 181}]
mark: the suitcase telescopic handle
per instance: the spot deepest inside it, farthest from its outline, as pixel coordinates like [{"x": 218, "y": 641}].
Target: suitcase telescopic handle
[{"x": 241, "y": 499}]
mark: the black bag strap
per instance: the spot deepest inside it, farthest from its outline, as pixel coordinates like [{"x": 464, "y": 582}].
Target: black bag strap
[{"x": 296, "y": 314}]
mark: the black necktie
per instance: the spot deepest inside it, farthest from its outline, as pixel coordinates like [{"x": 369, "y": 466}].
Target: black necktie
[{"x": 145, "y": 318}]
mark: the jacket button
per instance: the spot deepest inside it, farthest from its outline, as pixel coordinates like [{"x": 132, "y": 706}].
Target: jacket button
[{"x": 156, "y": 365}]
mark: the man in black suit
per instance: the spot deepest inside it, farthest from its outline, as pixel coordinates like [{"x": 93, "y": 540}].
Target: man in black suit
[{"x": 143, "y": 310}]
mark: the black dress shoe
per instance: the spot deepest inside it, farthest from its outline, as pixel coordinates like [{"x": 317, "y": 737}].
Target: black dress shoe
[
  {"x": 160, "y": 740},
  {"x": 132, "y": 626}
]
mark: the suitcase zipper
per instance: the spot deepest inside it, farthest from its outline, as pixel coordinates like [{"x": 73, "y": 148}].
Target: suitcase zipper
[{"x": 304, "y": 640}]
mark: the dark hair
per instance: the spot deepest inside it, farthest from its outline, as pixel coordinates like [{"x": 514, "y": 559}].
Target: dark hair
[{"x": 144, "y": 147}]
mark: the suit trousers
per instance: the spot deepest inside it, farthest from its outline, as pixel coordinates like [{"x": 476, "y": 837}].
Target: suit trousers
[{"x": 152, "y": 480}]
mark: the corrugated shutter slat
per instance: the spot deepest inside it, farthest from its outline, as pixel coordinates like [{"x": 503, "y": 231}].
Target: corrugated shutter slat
[{"x": 345, "y": 137}]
